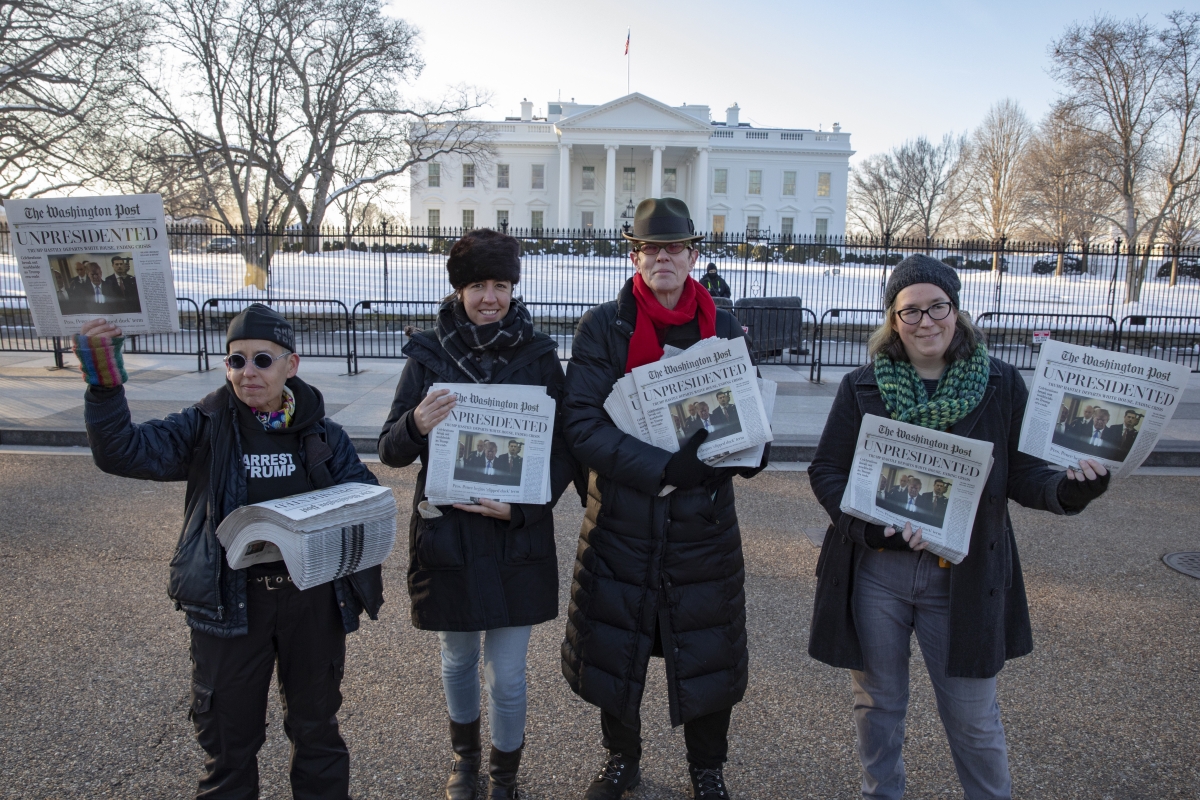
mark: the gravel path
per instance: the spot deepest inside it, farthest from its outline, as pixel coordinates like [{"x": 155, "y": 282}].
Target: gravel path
[{"x": 94, "y": 666}]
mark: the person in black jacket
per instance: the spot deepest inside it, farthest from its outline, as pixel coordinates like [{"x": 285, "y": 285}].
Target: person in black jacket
[
  {"x": 714, "y": 283},
  {"x": 244, "y": 622},
  {"x": 489, "y": 567},
  {"x": 877, "y": 586},
  {"x": 654, "y": 574}
]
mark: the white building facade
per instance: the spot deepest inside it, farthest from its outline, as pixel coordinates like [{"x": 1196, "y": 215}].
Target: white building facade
[{"x": 586, "y": 167}]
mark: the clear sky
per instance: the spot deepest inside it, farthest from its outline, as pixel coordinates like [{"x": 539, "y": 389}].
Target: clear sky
[{"x": 887, "y": 71}]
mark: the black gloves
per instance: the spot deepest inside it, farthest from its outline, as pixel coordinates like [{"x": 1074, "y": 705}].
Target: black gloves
[
  {"x": 1075, "y": 495},
  {"x": 873, "y": 536},
  {"x": 685, "y": 470}
]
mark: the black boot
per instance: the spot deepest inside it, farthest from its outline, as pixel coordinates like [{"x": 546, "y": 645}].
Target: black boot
[
  {"x": 463, "y": 783},
  {"x": 618, "y": 776},
  {"x": 708, "y": 784},
  {"x": 502, "y": 773}
]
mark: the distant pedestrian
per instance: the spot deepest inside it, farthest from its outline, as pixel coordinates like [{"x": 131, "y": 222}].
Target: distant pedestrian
[
  {"x": 877, "y": 586},
  {"x": 714, "y": 283}
]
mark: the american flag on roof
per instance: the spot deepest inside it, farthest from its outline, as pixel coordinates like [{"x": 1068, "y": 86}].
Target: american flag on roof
[{"x": 627, "y": 41}]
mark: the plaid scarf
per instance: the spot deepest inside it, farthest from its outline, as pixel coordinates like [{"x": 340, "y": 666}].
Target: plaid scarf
[
  {"x": 958, "y": 392},
  {"x": 478, "y": 349}
]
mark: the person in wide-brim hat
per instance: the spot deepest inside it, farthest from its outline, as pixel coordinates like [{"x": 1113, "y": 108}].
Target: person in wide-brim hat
[{"x": 662, "y": 220}]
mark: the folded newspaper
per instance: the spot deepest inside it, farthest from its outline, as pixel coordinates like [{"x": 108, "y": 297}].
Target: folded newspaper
[
  {"x": 1099, "y": 404},
  {"x": 933, "y": 480},
  {"x": 81, "y": 258},
  {"x": 495, "y": 443},
  {"x": 321, "y": 535}
]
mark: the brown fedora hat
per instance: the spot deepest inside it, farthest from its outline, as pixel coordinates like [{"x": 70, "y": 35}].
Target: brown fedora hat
[{"x": 664, "y": 220}]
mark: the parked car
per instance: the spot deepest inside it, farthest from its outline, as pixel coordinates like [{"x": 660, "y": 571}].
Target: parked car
[
  {"x": 1189, "y": 267},
  {"x": 222, "y": 244},
  {"x": 1072, "y": 265}
]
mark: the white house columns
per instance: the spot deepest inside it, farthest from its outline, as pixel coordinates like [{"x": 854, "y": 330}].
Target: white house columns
[
  {"x": 610, "y": 187},
  {"x": 699, "y": 206},
  {"x": 656, "y": 169},
  {"x": 564, "y": 186}
]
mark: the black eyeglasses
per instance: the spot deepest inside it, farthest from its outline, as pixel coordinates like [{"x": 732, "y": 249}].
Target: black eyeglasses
[
  {"x": 674, "y": 248},
  {"x": 937, "y": 311},
  {"x": 237, "y": 361}
]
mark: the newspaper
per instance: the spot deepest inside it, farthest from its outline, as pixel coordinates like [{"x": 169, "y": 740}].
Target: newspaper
[
  {"x": 86, "y": 257},
  {"x": 931, "y": 479},
  {"x": 495, "y": 443},
  {"x": 321, "y": 535},
  {"x": 1099, "y": 404},
  {"x": 711, "y": 385}
]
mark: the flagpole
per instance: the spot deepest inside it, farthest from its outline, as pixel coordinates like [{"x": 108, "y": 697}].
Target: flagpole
[{"x": 627, "y": 57}]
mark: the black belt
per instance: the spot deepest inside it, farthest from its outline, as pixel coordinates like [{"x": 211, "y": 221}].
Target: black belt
[{"x": 273, "y": 582}]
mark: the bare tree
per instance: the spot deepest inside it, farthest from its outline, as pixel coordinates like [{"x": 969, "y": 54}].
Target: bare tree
[
  {"x": 930, "y": 180},
  {"x": 996, "y": 198},
  {"x": 1181, "y": 226},
  {"x": 879, "y": 204}
]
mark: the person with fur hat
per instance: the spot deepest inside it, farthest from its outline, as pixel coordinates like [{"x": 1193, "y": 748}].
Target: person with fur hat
[
  {"x": 877, "y": 586},
  {"x": 485, "y": 569},
  {"x": 261, "y": 436},
  {"x": 655, "y": 574}
]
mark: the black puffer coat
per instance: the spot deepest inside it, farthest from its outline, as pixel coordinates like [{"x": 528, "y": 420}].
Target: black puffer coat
[
  {"x": 202, "y": 445},
  {"x": 645, "y": 560},
  {"x": 468, "y": 572},
  {"x": 989, "y": 616}
]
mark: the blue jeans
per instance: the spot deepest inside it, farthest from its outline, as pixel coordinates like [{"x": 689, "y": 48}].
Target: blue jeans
[
  {"x": 895, "y": 594},
  {"x": 504, "y": 653}
]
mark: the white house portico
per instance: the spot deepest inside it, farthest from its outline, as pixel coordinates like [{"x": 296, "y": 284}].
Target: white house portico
[{"x": 587, "y": 166}]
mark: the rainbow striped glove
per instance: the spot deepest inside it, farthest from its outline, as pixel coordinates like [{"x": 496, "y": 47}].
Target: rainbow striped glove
[{"x": 100, "y": 360}]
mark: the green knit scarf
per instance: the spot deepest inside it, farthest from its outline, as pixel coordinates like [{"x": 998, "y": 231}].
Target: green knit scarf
[{"x": 958, "y": 392}]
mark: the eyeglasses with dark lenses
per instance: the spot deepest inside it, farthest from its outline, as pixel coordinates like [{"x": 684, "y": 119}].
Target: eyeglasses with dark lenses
[
  {"x": 937, "y": 311},
  {"x": 237, "y": 361},
  {"x": 674, "y": 248}
]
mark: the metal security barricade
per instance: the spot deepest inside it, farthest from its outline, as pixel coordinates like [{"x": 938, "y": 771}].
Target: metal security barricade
[
  {"x": 381, "y": 327},
  {"x": 17, "y": 333},
  {"x": 842, "y": 336},
  {"x": 558, "y": 321},
  {"x": 780, "y": 329},
  {"x": 1016, "y": 337},
  {"x": 189, "y": 341},
  {"x": 1170, "y": 338},
  {"x": 323, "y": 327}
]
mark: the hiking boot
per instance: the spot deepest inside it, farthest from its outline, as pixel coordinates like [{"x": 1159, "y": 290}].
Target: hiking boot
[
  {"x": 708, "y": 784},
  {"x": 618, "y": 776}
]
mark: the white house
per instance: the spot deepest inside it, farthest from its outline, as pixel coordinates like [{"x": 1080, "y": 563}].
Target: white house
[{"x": 587, "y": 167}]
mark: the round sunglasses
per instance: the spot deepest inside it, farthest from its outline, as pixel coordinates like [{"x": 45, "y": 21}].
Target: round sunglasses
[{"x": 237, "y": 361}]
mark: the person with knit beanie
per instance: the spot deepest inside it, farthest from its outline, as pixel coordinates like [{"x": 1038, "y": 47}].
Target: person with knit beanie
[{"x": 877, "y": 586}]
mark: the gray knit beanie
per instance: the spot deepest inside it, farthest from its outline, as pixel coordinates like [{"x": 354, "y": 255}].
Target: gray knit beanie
[{"x": 920, "y": 268}]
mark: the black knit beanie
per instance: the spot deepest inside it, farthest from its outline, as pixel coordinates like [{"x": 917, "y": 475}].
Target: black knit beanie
[
  {"x": 921, "y": 268},
  {"x": 484, "y": 255},
  {"x": 261, "y": 322}
]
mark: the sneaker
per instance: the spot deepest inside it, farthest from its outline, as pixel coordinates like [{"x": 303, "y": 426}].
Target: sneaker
[
  {"x": 708, "y": 784},
  {"x": 618, "y": 776}
]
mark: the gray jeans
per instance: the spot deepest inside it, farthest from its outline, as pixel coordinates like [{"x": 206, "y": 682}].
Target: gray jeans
[
  {"x": 504, "y": 653},
  {"x": 895, "y": 594}
]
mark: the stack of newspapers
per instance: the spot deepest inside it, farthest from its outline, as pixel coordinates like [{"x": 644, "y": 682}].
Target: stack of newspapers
[
  {"x": 712, "y": 386},
  {"x": 321, "y": 535},
  {"x": 495, "y": 443}
]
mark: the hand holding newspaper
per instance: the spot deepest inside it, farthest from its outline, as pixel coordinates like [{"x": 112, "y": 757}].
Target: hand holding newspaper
[
  {"x": 1099, "y": 404},
  {"x": 495, "y": 443},
  {"x": 906, "y": 473}
]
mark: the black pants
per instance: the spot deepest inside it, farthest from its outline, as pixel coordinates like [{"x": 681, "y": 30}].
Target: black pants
[
  {"x": 231, "y": 679},
  {"x": 706, "y": 737}
]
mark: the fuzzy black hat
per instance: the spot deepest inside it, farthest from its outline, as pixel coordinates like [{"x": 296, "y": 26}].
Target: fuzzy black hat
[
  {"x": 484, "y": 255},
  {"x": 261, "y": 322},
  {"x": 921, "y": 268}
]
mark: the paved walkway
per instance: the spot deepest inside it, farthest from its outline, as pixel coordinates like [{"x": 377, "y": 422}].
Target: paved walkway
[{"x": 43, "y": 406}]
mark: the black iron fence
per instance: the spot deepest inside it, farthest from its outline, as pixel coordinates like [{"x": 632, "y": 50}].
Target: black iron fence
[{"x": 806, "y": 300}]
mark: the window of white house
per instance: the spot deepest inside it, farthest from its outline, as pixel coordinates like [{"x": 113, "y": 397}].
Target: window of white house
[
  {"x": 669, "y": 179},
  {"x": 468, "y": 219},
  {"x": 720, "y": 181},
  {"x": 822, "y": 184},
  {"x": 789, "y": 183},
  {"x": 751, "y": 224},
  {"x": 629, "y": 183},
  {"x": 435, "y": 175},
  {"x": 822, "y": 227},
  {"x": 589, "y": 220},
  {"x": 755, "y": 185},
  {"x": 535, "y": 219},
  {"x": 787, "y": 225},
  {"x": 718, "y": 223},
  {"x": 589, "y": 179},
  {"x": 468, "y": 176},
  {"x": 539, "y": 176},
  {"x": 502, "y": 218},
  {"x": 435, "y": 218},
  {"x": 502, "y": 176}
]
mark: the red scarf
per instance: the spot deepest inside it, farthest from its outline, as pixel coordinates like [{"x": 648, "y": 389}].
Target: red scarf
[{"x": 653, "y": 317}]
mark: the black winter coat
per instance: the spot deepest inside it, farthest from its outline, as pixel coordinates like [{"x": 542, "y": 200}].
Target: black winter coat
[
  {"x": 643, "y": 561},
  {"x": 468, "y": 572},
  {"x": 989, "y": 615},
  {"x": 202, "y": 445}
]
